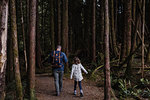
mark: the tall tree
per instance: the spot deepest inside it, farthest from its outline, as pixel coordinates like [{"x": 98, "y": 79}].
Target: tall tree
[
  {"x": 32, "y": 35},
  {"x": 65, "y": 29},
  {"x": 87, "y": 29},
  {"x": 123, "y": 45},
  {"x": 113, "y": 33},
  {"x": 15, "y": 50},
  {"x": 101, "y": 25},
  {"x": 59, "y": 21},
  {"x": 3, "y": 45},
  {"x": 38, "y": 37},
  {"x": 107, "y": 83},
  {"x": 93, "y": 30},
  {"x": 128, "y": 27},
  {"x": 143, "y": 30},
  {"x": 23, "y": 34},
  {"x": 52, "y": 24}
]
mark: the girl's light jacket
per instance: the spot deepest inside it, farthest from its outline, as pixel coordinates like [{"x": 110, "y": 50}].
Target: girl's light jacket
[{"x": 76, "y": 72}]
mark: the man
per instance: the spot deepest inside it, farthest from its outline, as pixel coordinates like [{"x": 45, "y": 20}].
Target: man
[{"x": 58, "y": 59}]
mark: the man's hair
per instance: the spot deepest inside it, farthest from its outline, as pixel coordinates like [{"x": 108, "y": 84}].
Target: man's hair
[{"x": 58, "y": 46}]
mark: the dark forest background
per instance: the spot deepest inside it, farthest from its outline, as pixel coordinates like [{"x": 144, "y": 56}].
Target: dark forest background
[{"x": 105, "y": 34}]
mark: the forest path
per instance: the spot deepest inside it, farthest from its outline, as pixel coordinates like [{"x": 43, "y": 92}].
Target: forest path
[{"x": 45, "y": 90}]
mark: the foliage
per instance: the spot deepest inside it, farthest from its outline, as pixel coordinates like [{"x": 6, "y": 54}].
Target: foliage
[
  {"x": 126, "y": 89},
  {"x": 144, "y": 81}
]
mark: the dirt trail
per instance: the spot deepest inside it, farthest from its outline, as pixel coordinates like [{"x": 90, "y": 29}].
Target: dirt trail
[{"x": 45, "y": 90}]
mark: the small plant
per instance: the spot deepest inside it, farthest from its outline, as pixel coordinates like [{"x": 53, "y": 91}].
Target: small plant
[
  {"x": 126, "y": 89},
  {"x": 146, "y": 93},
  {"x": 144, "y": 81}
]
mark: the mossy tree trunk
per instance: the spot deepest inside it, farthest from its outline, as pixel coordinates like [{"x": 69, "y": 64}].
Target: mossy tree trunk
[
  {"x": 15, "y": 50},
  {"x": 107, "y": 83},
  {"x": 3, "y": 45},
  {"x": 32, "y": 35},
  {"x": 65, "y": 30}
]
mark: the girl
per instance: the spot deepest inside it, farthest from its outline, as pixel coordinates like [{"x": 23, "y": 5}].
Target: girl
[{"x": 76, "y": 72}]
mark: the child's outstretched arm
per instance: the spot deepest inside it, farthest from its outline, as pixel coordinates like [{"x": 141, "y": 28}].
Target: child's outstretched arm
[
  {"x": 84, "y": 69},
  {"x": 72, "y": 72}
]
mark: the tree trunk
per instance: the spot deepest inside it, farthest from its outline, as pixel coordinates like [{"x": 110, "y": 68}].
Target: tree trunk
[
  {"x": 93, "y": 31},
  {"x": 65, "y": 30},
  {"x": 148, "y": 55},
  {"x": 143, "y": 30},
  {"x": 27, "y": 30},
  {"x": 107, "y": 83},
  {"x": 3, "y": 45},
  {"x": 101, "y": 25},
  {"x": 23, "y": 34},
  {"x": 59, "y": 21},
  {"x": 15, "y": 50},
  {"x": 38, "y": 42},
  {"x": 123, "y": 45},
  {"x": 52, "y": 24},
  {"x": 32, "y": 33},
  {"x": 9, "y": 68},
  {"x": 87, "y": 28},
  {"x": 113, "y": 33},
  {"x": 128, "y": 17}
]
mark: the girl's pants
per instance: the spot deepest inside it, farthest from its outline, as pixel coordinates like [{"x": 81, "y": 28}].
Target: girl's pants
[{"x": 75, "y": 85}]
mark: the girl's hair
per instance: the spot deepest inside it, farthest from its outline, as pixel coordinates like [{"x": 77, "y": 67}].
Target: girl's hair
[{"x": 76, "y": 60}]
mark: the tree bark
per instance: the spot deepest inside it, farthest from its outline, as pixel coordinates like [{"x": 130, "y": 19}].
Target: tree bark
[
  {"x": 3, "y": 45},
  {"x": 128, "y": 26},
  {"x": 123, "y": 45},
  {"x": 32, "y": 35},
  {"x": 59, "y": 21},
  {"x": 143, "y": 30},
  {"x": 148, "y": 55},
  {"x": 107, "y": 83},
  {"x": 23, "y": 34},
  {"x": 38, "y": 42},
  {"x": 101, "y": 25},
  {"x": 93, "y": 31},
  {"x": 113, "y": 33},
  {"x": 87, "y": 28},
  {"x": 15, "y": 50},
  {"x": 52, "y": 24},
  {"x": 65, "y": 30}
]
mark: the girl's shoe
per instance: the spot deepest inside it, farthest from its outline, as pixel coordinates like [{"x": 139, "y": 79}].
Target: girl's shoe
[
  {"x": 75, "y": 92},
  {"x": 81, "y": 94}
]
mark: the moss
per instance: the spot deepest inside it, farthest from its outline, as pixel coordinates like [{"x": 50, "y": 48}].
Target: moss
[
  {"x": 19, "y": 87},
  {"x": 32, "y": 94}
]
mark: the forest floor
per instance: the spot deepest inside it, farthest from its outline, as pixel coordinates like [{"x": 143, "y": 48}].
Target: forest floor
[{"x": 45, "y": 89}]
